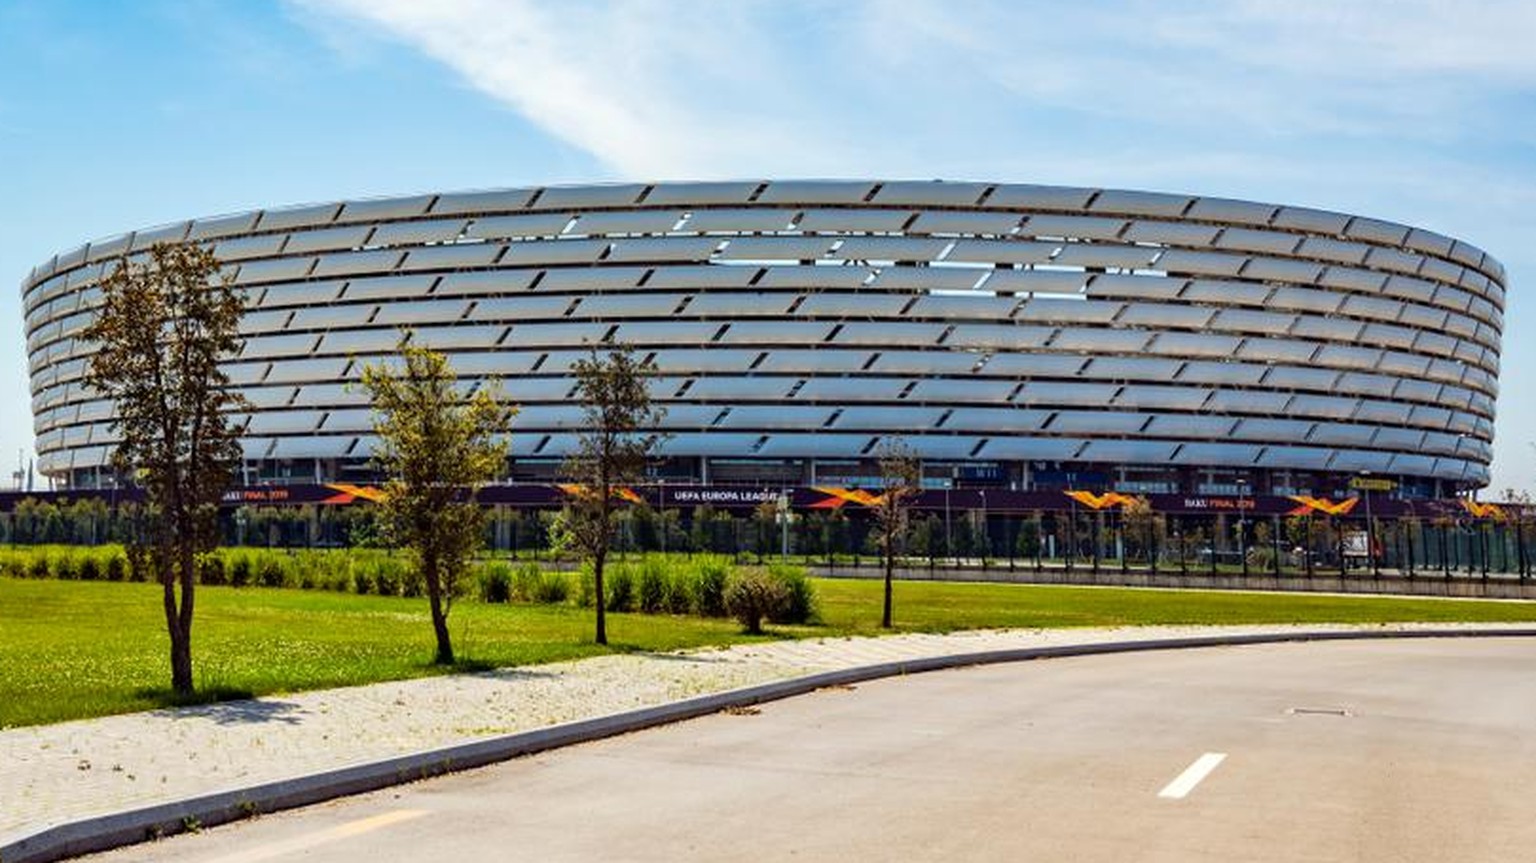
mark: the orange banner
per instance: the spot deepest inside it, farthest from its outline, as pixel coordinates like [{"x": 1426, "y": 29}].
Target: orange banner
[
  {"x": 1484, "y": 510},
  {"x": 1310, "y": 505},
  {"x": 837, "y": 497},
  {"x": 624, "y": 493},
  {"x": 1103, "y": 501}
]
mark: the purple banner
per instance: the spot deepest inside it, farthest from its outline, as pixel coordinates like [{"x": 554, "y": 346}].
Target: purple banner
[{"x": 832, "y": 498}]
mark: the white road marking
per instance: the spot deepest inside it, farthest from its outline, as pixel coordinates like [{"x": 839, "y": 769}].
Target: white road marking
[
  {"x": 1192, "y": 776},
  {"x": 310, "y": 840}
]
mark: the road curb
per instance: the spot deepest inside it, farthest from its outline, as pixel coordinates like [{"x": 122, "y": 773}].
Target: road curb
[
  {"x": 1505, "y": 586},
  {"x": 103, "y": 832}
]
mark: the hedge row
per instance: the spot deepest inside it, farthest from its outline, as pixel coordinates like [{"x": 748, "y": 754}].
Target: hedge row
[
  {"x": 655, "y": 584},
  {"x": 360, "y": 571}
]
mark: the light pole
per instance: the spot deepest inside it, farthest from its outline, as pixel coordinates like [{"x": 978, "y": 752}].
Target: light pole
[
  {"x": 784, "y": 526},
  {"x": 1242, "y": 523},
  {"x": 1178, "y": 535},
  {"x": 1370, "y": 525},
  {"x": 1071, "y": 532},
  {"x": 949, "y": 539},
  {"x": 986, "y": 539}
]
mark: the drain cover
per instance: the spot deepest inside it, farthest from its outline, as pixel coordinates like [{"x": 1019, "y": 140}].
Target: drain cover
[{"x": 1318, "y": 711}]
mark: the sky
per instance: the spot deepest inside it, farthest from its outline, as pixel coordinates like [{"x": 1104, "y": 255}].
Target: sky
[{"x": 117, "y": 115}]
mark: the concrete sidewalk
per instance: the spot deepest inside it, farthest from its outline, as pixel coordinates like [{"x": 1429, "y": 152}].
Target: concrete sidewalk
[{"x": 61, "y": 773}]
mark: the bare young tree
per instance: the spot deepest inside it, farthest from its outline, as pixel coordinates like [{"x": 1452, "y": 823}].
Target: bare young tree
[
  {"x": 437, "y": 446},
  {"x": 618, "y": 439},
  {"x": 1519, "y": 512},
  {"x": 164, "y": 327},
  {"x": 901, "y": 475}
]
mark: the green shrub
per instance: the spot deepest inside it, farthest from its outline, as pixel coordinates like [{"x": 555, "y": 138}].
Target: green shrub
[
  {"x": 117, "y": 567},
  {"x": 90, "y": 567},
  {"x": 525, "y": 581},
  {"x": 654, "y": 585},
  {"x": 210, "y": 570},
  {"x": 385, "y": 576},
  {"x": 753, "y": 594},
  {"x": 270, "y": 571},
  {"x": 800, "y": 603},
  {"x": 553, "y": 588},
  {"x": 586, "y": 587},
  {"x": 386, "y": 580},
  {"x": 64, "y": 568},
  {"x": 38, "y": 567},
  {"x": 332, "y": 569},
  {"x": 709, "y": 579},
  {"x": 301, "y": 567},
  {"x": 679, "y": 599},
  {"x": 13, "y": 564},
  {"x": 362, "y": 580},
  {"x": 413, "y": 583},
  {"x": 239, "y": 569},
  {"x": 495, "y": 582},
  {"x": 341, "y": 578},
  {"x": 533, "y": 584},
  {"x": 621, "y": 588}
]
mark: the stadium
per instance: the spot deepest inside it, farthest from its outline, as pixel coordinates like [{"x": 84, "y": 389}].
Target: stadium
[
  {"x": 1072, "y": 365},
  {"x": 1024, "y": 337}
]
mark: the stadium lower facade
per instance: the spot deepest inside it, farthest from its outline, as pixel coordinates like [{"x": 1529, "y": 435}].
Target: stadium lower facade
[{"x": 1022, "y": 338}]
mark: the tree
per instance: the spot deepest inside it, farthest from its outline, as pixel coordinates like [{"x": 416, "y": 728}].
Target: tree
[
  {"x": 437, "y": 446},
  {"x": 612, "y": 449},
  {"x": 643, "y": 527},
  {"x": 1143, "y": 531},
  {"x": 1028, "y": 543},
  {"x": 835, "y": 536},
  {"x": 1261, "y": 553},
  {"x": 24, "y": 522},
  {"x": 87, "y": 518},
  {"x": 765, "y": 518},
  {"x": 165, "y": 325},
  {"x": 1521, "y": 504},
  {"x": 901, "y": 476}
]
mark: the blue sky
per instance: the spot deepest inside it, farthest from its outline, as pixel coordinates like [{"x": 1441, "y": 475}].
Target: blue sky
[{"x": 116, "y": 115}]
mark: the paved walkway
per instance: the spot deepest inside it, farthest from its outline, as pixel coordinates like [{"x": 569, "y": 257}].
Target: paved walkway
[{"x": 58, "y": 773}]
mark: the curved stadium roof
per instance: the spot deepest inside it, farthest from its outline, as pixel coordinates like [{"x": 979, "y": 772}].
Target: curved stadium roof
[{"x": 806, "y": 319}]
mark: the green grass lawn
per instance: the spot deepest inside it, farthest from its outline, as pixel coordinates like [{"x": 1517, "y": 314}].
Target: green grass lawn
[
  {"x": 929, "y": 606},
  {"x": 76, "y": 649}
]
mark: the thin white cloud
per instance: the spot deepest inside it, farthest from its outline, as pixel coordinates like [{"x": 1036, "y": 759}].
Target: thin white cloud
[
  {"x": 647, "y": 91},
  {"x": 1487, "y": 39},
  {"x": 655, "y": 89},
  {"x": 1415, "y": 69}
]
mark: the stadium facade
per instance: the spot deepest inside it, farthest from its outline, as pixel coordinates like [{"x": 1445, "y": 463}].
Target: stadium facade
[{"x": 1029, "y": 338}]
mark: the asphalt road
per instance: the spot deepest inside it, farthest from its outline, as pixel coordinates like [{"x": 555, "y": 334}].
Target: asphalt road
[{"x": 1400, "y": 751}]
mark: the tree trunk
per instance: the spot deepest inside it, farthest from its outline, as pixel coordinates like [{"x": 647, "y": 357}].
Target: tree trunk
[
  {"x": 890, "y": 565},
  {"x": 178, "y": 624},
  {"x": 181, "y": 662},
  {"x": 601, "y": 600},
  {"x": 439, "y": 617}
]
